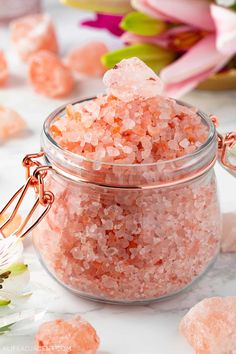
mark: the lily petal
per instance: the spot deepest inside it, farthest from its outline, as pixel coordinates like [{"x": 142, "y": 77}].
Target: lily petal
[
  {"x": 103, "y": 21},
  {"x": 225, "y": 22},
  {"x": 131, "y": 38},
  {"x": 162, "y": 39},
  {"x": 195, "y": 12},
  {"x": 144, "y": 6},
  {"x": 179, "y": 89},
  {"x": 111, "y": 7},
  {"x": 11, "y": 250},
  {"x": 193, "y": 67},
  {"x": 202, "y": 57}
]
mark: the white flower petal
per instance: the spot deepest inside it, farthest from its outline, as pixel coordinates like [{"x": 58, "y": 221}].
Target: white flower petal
[{"x": 11, "y": 249}]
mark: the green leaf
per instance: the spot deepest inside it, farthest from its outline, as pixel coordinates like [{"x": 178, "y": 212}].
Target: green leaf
[
  {"x": 17, "y": 268},
  {"x": 5, "y": 329},
  {"x": 233, "y": 7},
  {"x": 141, "y": 24},
  {"x": 116, "y": 7},
  {"x": 154, "y": 56},
  {"x": 4, "y": 302}
]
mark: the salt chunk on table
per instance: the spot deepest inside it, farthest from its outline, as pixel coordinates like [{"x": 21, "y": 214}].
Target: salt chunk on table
[
  {"x": 11, "y": 123},
  {"x": 210, "y": 326},
  {"x": 132, "y": 79},
  {"x": 49, "y": 76},
  {"x": 228, "y": 243},
  {"x": 3, "y": 68},
  {"x": 86, "y": 60},
  {"x": 32, "y": 33},
  {"x": 75, "y": 336}
]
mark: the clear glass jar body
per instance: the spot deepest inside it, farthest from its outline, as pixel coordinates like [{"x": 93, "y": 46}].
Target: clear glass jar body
[
  {"x": 134, "y": 233},
  {"x": 11, "y": 9}
]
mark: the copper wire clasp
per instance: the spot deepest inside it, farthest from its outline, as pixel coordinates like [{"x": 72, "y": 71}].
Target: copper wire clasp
[
  {"x": 225, "y": 143},
  {"x": 44, "y": 198}
]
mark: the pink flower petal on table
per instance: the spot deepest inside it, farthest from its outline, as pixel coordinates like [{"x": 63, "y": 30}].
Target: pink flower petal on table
[
  {"x": 193, "y": 12},
  {"x": 228, "y": 243},
  {"x": 103, "y": 21},
  {"x": 202, "y": 57},
  {"x": 225, "y": 22}
]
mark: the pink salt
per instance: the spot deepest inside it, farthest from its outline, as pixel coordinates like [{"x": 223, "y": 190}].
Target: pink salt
[
  {"x": 132, "y": 79},
  {"x": 11, "y": 123},
  {"x": 86, "y": 60},
  {"x": 228, "y": 243},
  {"x": 33, "y": 33},
  {"x": 75, "y": 336},
  {"x": 49, "y": 76},
  {"x": 122, "y": 244},
  {"x": 210, "y": 326},
  {"x": 3, "y": 68}
]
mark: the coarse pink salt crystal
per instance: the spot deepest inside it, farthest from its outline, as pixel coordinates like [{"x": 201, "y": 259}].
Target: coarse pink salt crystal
[
  {"x": 3, "y": 68},
  {"x": 49, "y": 76},
  {"x": 228, "y": 242},
  {"x": 184, "y": 143},
  {"x": 86, "y": 60},
  {"x": 11, "y": 123},
  {"x": 210, "y": 326},
  {"x": 32, "y": 33},
  {"x": 75, "y": 336},
  {"x": 132, "y": 79}
]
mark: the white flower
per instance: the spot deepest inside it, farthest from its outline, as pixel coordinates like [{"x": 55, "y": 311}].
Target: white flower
[
  {"x": 14, "y": 274},
  {"x": 11, "y": 249}
]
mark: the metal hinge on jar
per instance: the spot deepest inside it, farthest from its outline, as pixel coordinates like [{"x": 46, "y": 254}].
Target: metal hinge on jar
[
  {"x": 44, "y": 198},
  {"x": 225, "y": 144}
]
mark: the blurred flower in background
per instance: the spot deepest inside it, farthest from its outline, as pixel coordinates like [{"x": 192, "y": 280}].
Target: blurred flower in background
[
  {"x": 14, "y": 273},
  {"x": 185, "y": 41}
]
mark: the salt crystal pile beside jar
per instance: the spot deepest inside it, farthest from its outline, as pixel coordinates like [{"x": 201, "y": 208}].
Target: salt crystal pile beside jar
[{"x": 136, "y": 216}]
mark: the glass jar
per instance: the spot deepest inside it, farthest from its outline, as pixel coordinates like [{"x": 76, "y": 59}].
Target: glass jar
[
  {"x": 11, "y": 9},
  {"x": 129, "y": 233}
]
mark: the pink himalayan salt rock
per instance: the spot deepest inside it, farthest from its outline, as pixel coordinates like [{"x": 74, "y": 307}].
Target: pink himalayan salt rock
[
  {"x": 11, "y": 123},
  {"x": 86, "y": 60},
  {"x": 210, "y": 326},
  {"x": 75, "y": 336},
  {"x": 3, "y": 68},
  {"x": 33, "y": 33},
  {"x": 49, "y": 76},
  {"x": 228, "y": 243},
  {"x": 132, "y": 79}
]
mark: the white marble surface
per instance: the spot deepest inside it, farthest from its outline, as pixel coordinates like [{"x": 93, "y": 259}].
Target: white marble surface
[{"x": 123, "y": 330}]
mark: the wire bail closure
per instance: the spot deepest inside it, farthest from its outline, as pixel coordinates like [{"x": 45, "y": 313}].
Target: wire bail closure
[
  {"x": 225, "y": 143},
  {"x": 44, "y": 198}
]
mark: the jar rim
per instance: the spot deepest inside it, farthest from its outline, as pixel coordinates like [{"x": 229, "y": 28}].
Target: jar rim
[{"x": 201, "y": 149}]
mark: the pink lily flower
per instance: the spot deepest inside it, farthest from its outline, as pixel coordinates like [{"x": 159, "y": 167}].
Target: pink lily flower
[{"x": 216, "y": 44}]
